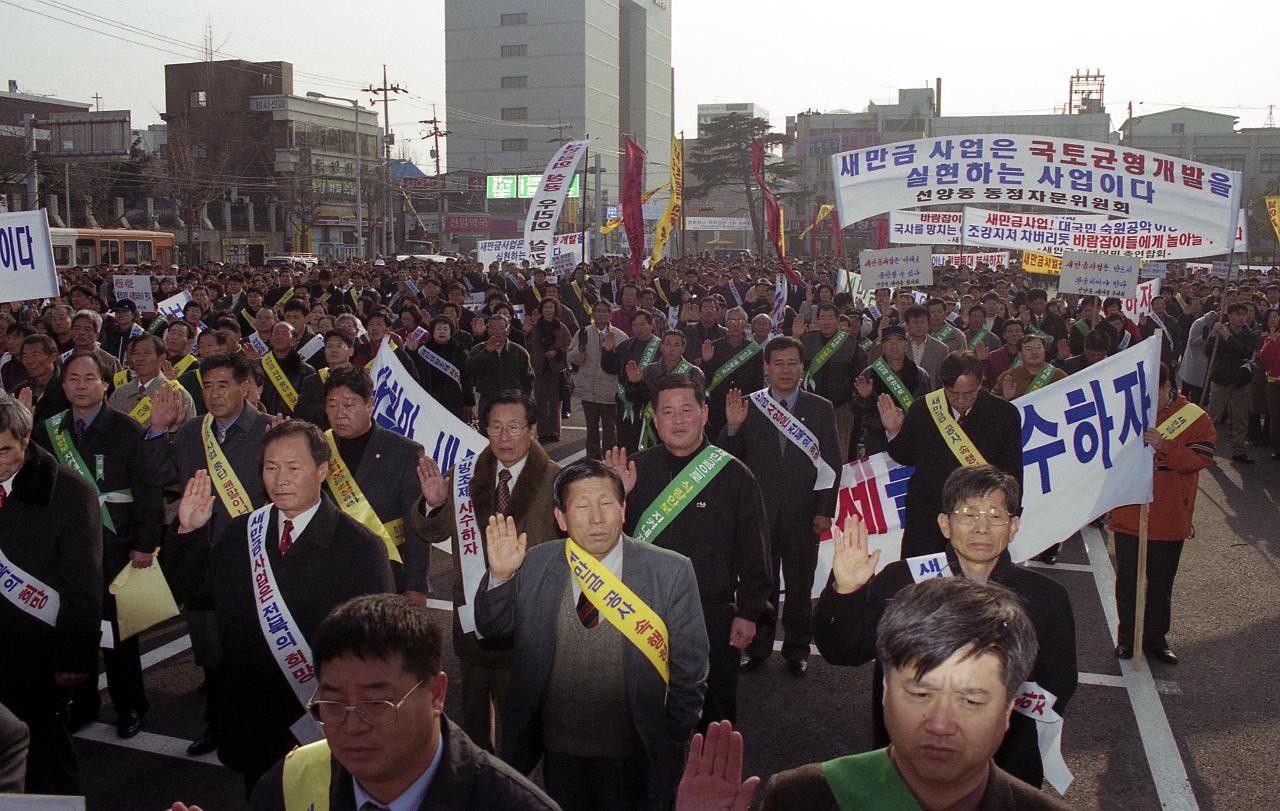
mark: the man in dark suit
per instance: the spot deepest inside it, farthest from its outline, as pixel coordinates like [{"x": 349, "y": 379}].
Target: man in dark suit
[
  {"x": 50, "y": 595},
  {"x": 105, "y": 447},
  {"x": 281, "y": 396},
  {"x": 994, "y": 429},
  {"x": 237, "y": 428},
  {"x": 731, "y": 362},
  {"x": 511, "y": 477},
  {"x": 608, "y": 680},
  {"x": 41, "y": 386},
  {"x": 300, "y": 555},
  {"x": 799, "y": 487},
  {"x": 379, "y": 461},
  {"x": 414, "y": 757}
]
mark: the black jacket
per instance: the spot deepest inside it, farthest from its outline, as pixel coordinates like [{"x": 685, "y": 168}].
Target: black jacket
[
  {"x": 844, "y": 629},
  {"x": 334, "y": 559},
  {"x": 721, "y": 530},
  {"x": 53, "y": 401},
  {"x": 296, "y": 371},
  {"x": 747, "y": 378},
  {"x": 453, "y": 395},
  {"x": 467, "y": 779},
  {"x": 1235, "y": 349}
]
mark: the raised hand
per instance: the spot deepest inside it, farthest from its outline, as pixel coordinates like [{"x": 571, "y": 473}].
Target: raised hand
[
  {"x": 196, "y": 507},
  {"x": 431, "y": 482},
  {"x": 166, "y": 408},
  {"x": 708, "y": 351},
  {"x": 166, "y": 368},
  {"x": 851, "y": 564},
  {"x": 1064, "y": 347},
  {"x": 610, "y": 340},
  {"x": 633, "y": 371},
  {"x": 798, "y": 326},
  {"x": 735, "y": 409},
  {"x": 981, "y": 350},
  {"x": 712, "y": 779},
  {"x": 891, "y": 417},
  {"x": 278, "y": 419},
  {"x": 24, "y": 397},
  {"x": 616, "y": 458},
  {"x": 864, "y": 386},
  {"x": 505, "y": 546},
  {"x": 1007, "y": 389}
]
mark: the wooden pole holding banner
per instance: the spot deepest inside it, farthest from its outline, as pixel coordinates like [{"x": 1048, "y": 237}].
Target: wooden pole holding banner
[
  {"x": 1140, "y": 596},
  {"x": 1213, "y": 354}
]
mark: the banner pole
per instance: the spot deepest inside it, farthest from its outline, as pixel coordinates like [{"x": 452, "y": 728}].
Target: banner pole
[{"x": 1140, "y": 598}]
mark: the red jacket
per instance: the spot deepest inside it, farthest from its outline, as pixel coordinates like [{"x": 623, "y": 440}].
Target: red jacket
[
  {"x": 1178, "y": 467},
  {"x": 1270, "y": 356}
]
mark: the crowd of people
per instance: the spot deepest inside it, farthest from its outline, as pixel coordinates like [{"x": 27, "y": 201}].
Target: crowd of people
[{"x": 721, "y": 401}]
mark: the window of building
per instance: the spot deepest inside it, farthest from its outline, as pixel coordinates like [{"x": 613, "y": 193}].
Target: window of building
[
  {"x": 515, "y": 144},
  {"x": 510, "y": 82},
  {"x": 1178, "y": 128},
  {"x": 515, "y": 50},
  {"x": 1269, "y": 165},
  {"x": 199, "y": 98},
  {"x": 515, "y": 19},
  {"x": 515, "y": 113},
  {"x": 1225, "y": 161}
]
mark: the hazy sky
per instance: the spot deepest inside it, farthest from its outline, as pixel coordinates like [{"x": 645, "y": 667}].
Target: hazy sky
[{"x": 996, "y": 56}]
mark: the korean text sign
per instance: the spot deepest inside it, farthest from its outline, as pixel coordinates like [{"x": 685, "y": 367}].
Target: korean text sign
[
  {"x": 136, "y": 289},
  {"x": 896, "y": 267},
  {"x": 1081, "y": 176},
  {"x": 27, "y": 270},
  {"x": 513, "y": 250},
  {"x": 545, "y": 205},
  {"x": 1099, "y": 274}
]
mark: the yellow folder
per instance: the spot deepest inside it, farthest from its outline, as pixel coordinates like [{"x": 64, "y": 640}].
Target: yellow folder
[{"x": 143, "y": 598}]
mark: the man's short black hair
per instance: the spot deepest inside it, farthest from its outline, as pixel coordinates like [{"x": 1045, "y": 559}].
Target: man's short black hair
[
  {"x": 381, "y": 626},
  {"x": 317, "y": 445},
  {"x": 670, "y": 382},
  {"x": 1010, "y": 323},
  {"x": 957, "y": 365},
  {"x": 976, "y": 481},
  {"x": 780, "y": 344},
  {"x": 296, "y": 305},
  {"x": 147, "y": 338},
  {"x": 237, "y": 363},
  {"x": 104, "y": 371},
  {"x": 511, "y": 397},
  {"x": 355, "y": 378},
  {"x": 1098, "y": 340},
  {"x": 584, "y": 469},
  {"x": 1037, "y": 294},
  {"x": 1237, "y": 307},
  {"x": 337, "y": 333},
  {"x": 228, "y": 324},
  {"x": 913, "y": 312}
]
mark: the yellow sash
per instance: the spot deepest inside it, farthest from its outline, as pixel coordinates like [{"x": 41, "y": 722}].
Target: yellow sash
[
  {"x": 223, "y": 476},
  {"x": 280, "y": 380},
  {"x": 352, "y": 501},
  {"x": 1180, "y": 420},
  {"x": 306, "y": 778},
  {"x": 372, "y": 360},
  {"x": 183, "y": 365},
  {"x": 324, "y": 374},
  {"x": 142, "y": 411},
  {"x": 121, "y": 378},
  {"x": 957, "y": 440},
  {"x": 639, "y": 623}
]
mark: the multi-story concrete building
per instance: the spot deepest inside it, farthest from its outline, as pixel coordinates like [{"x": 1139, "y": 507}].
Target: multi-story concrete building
[
  {"x": 522, "y": 78},
  {"x": 710, "y": 112}
]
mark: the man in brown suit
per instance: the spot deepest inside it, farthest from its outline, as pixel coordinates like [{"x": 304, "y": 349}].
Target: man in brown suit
[
  {"x": 955, "y": 656},
  {"x": 513, "y": 476}
]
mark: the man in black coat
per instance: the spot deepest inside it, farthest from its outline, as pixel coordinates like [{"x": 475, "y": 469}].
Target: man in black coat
[
  {"x": 106, "y": 448},
  {"x": 276, "y": 395},
  {"x": 301, "y": 556},
  {"x": 389, "y": 642},
  {"x": 719, "y": 526},
  {"x": 799, "y": 491},
  {"x": 714, "y": 360},
  {"x": 979, "y": 516},
  {"x": 50, "y": 594},
  {"x": 41, "y": 386},
  {"x": 1235, "y": 344},
  {"x": 992, "y": 424}
]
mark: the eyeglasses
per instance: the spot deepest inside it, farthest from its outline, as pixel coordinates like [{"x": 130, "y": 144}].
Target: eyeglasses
[
  {"x": 509, "y": 430},
  {"x": 373, "y": 713},
  {"x": 967, "y": 516}
]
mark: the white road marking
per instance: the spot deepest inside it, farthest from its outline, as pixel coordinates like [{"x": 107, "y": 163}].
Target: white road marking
[
  {"x": 146, "y": 742},
  {"x": 1064, "y": 567},
  {"x": 1101, "y": 679},
  {"x": 154, "y": 657},
  {"x": 1163, "y": 758}
]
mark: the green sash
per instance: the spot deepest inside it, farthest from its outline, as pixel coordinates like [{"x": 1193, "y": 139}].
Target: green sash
[
  {"x": 868, "y": 780},
  {"x": 687, "y": 484},
  {"x": 69, "y": 456},
  {"x": 1083, "y": 326},
  {"x": 1043, "y": 378},
  {"x": 866, "y": 344},
  {"x": 1034, "y": 330},
  {"x": 735, "y": 363},
  {"x": 824, "y": 354},
  {"x": 629, "y": 410},
  {"x": 648, "y": 436},
  {"x": 1016, "y": 362},
  {"x": 945, "y": 333},
  {"x": 895, "y": 384},
  {"x": 978, "y": 337}
]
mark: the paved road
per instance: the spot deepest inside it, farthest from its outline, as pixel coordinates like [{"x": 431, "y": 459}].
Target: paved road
[{"x": 1200, "y": 735}]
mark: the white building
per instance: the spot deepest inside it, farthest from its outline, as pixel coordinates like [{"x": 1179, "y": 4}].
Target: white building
[
  {"x": 519, "y": 78},
  {"x": 710, "y": 112}
]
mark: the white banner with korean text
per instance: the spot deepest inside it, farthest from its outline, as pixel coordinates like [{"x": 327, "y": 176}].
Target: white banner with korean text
[
  {"x": 971, "y": 259},
  {"x": 896, "y": 267},
  {"x": 513, "y": 250},
  {"x": 1094, "y": 274},
  {"x": 26, "y": 257},
  {"x": 1081, "y": 176},
  {"x": 1082, "y": 454},
  {"x": 544, "y": 208}
]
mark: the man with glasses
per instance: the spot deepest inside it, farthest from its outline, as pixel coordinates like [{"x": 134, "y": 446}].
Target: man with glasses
[
  {"x": 990, "y": 430},
  {"x": 270, "y": 579},
  {"x": 511, "y": 477},
  {"x": 980, "y": 513},
  {"x": 731, "y": 362}
]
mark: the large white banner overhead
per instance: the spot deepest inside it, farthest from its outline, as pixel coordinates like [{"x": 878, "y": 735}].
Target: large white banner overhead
[
  {"x": 1082, "y": 455},
  {"x": 1054, "y": 234},
  {"x": 27, "y": 269},
  {"x": 544, "y": 208},
  {"x": 513, "y": 250},
  {"x": 1082, "y": 176}
]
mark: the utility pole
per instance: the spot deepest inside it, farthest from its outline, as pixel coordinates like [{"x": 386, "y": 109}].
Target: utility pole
[
  {"x": 97, "y": 102},
  {"x": 387, "y": 140},
  {"x": 442, "y": 209}
]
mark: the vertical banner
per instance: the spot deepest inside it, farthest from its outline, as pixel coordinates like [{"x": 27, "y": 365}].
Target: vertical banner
[
  {"x": 632, "y": 207},
  {"x": 773, "y": 213},
  {"x": 26, "y": 257},
  {"x": 837, "y": 235},
  {"x": 545, "y": 207},
  {"x": 671, "y": 216},
  {"x": 1273, "y": 214}
]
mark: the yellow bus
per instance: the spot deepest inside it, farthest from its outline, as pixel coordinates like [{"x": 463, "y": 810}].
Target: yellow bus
[{"x": 117, "y": 247}]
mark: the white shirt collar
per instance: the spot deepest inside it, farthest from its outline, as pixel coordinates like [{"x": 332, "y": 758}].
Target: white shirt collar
[
  {"x": 300, "y": 521},
  {"x": 515, "y": 469},
  {"x": 411, "y": 798},
  {"x": 611, "y": 561},
  {"x": 8, "y": 483}
]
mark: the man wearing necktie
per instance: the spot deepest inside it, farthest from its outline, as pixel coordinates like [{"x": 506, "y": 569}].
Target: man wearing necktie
[{"x": 308, "y": 555}]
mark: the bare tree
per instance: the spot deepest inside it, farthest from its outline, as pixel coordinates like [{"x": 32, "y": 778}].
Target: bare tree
[{"x": 198, "y": 170}]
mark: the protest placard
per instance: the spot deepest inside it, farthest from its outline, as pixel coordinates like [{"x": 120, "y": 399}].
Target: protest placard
[
  {"x": 896, "y": 267},
  {"x": 171, "y": 308},
  {"x": 136, "y": 289},
  {"x": 27, "y": 270},
  {"x": 1099, "y": 275}
]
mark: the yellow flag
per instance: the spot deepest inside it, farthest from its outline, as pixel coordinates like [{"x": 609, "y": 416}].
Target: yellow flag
[
  {"x": 823, "y": 212},
  {"x": 671, "y": 217},
  {"x": 613, "y": 225},
  {"x": 1273, "y": 212}
]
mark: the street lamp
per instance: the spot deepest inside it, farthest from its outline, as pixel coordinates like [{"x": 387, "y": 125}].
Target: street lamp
[{"x": 355, "y": 104}]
